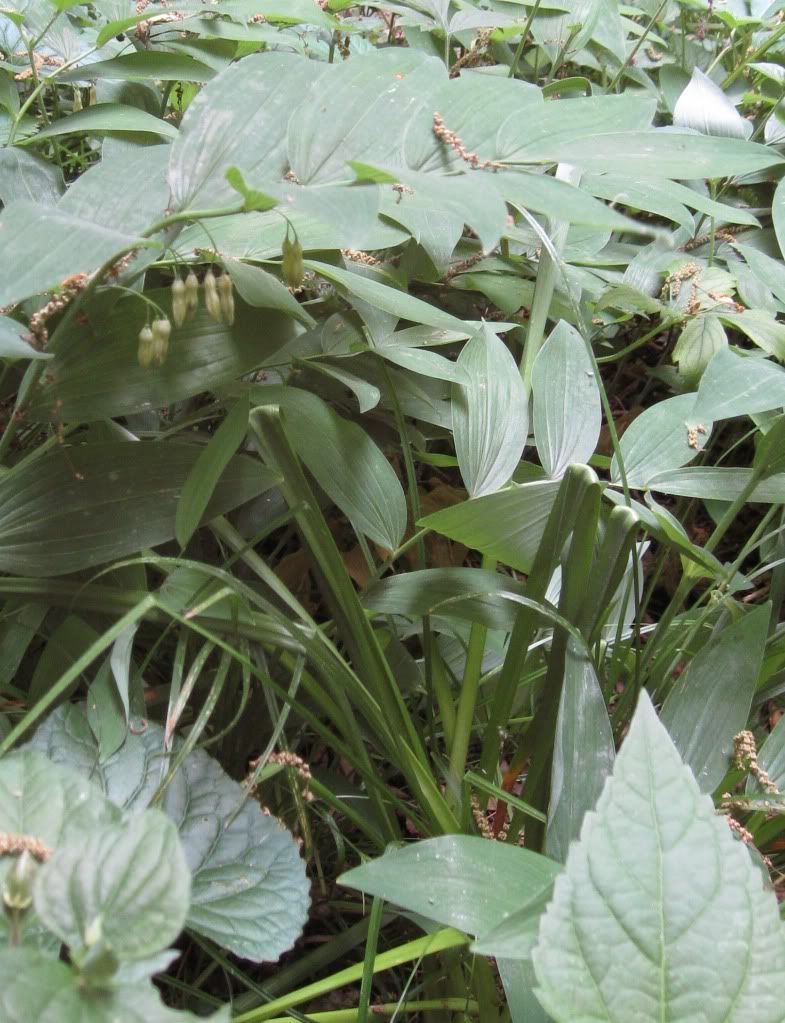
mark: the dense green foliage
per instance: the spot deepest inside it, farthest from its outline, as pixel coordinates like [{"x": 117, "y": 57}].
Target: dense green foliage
[{"x": 391, "y": 449}]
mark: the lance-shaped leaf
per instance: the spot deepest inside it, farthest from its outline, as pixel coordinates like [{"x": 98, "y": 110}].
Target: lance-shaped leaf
[
  {"x": 583, "y": 752},
  {"x": 660, "y": 914},
  {"x": 489, "y": 414},
  {"x": 567, "y": 413},
  {"x": 710, "y": 702}
]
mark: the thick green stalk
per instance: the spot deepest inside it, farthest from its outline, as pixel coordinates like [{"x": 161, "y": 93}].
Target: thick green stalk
[
  {"x": 576, "y": 576},
  {"x": 412, "y": 951},
  {"x": 391, "y": 1009},
  {"x": 348, "y": 613},
  {"x": 558, "y": 527},
  {"x": 467, "y": 702},
  {"x": 366, "y": 985}
]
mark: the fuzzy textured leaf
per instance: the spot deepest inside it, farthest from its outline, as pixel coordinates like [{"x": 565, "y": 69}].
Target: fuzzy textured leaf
[
  {"x": 249, "y": 891},
  {"x": 660, "y": 912}
]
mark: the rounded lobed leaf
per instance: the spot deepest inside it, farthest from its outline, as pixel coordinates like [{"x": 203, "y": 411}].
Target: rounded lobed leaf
[{"x": 126, "y": 884}]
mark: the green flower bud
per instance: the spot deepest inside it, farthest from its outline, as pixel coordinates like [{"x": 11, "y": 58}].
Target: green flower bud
[
  {"x": 292, "y": 269},
  {"x": 211, "y": 299},
  {"x": 99, "y": 965},
  {"x": 146, "y": 349},
  {"x": 161, "y": 331},
  {"x": 18, "y": 884},
  {"x": 191, "y": 294},
  {"x": 179, "y": 302},
  {"x": 226, "y": 296}
]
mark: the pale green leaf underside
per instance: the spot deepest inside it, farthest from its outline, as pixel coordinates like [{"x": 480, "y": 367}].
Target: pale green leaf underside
[{"x": 660, "y": 915}]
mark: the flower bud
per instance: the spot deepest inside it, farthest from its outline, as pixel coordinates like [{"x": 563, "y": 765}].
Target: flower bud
[
  {"x": 146, "y": 349},
  {"x": 226, "y": 296},
  {"x": 292, "y": 269},
  {"x": 161, "y": 331},
  {"x": 179, "y": 303},
  {"x": 191, "y": 294},
  {"x": 18, "y": 883},
  {"x": 211, "y": 299}
]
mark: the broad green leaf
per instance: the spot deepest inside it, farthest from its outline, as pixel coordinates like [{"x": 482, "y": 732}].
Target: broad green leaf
[
  {"x": 239, "y": 119},
  {"x": 126, "y": 883},
  {"x": 42, "y": 245},
  {"x": 100, "y": 215},
  {"x": 446, "y": 880},
  {"x": 287, "y": 12},
  {"x": 735, "y": 385},
  {"x": 105, "y": 118},
  {"x": 340, "y": 122},
  {"x": 208, "y": 469},
  {"x": 665, "y": 436},
  {"x": 66, "y": 644},
  {"x": 517, "y": 977},
  {"x": 657, "y": 889},
  {"x": 153, "y": 65},
  {"x": 471, "y": 594},
  {"x": 562, "y": 201},
  {"x": 704, "y": 107},
  {"x": 13, "y": 345},
  {"x": 583, "y": 752},
  {"x": 710, "y": 702},
  {"x": 424, "y": 362},
  {"x": 37, "y": 987},
  {"x": 398, "y": 303},
  {"x": 249, "y": 891},
  {"x": 368, "y": 395},
  {"x": 89, "y": 504},
  {"x": 105, "y": 711},
  {"x": 697, "y": 345},
  {"x": 345, "y": 462},
  {"x": 507, "y": 525},
  {"x": 26, "y": 176},
  {"x": 666, "y": 198},
  {"x": 437, "y": 206},
  {"x": 44, "y": 804},
  {"x": 489, "y": 415},
  {"x": 20, "y": 626},
  {"x": 663, "y": 154},
  {"x": 97, "y": 375},
  {"x": 768, "y": 271},
  {"x": 778, "y": 213},
  {"x": 474, "y": 106},
  {"x": 718, "y": 484},
  {"x": 761, "y": 327},
  {"x": 771, "y": 758},
  {"x": 258, "y": 236},
  {"x": 129, "y": 193},
  {"x": 566, "y": 401},
  {"x": 262, "y": 290},
  {"x": 531, "y": 135}
]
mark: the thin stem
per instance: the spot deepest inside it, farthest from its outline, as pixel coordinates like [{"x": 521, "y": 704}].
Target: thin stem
[
  {"x": 524, "y": 35},
  {"x": 632, "y": 54},
  {"x": 464, "y": 720},
  {"x": 37, "y": 90}
]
